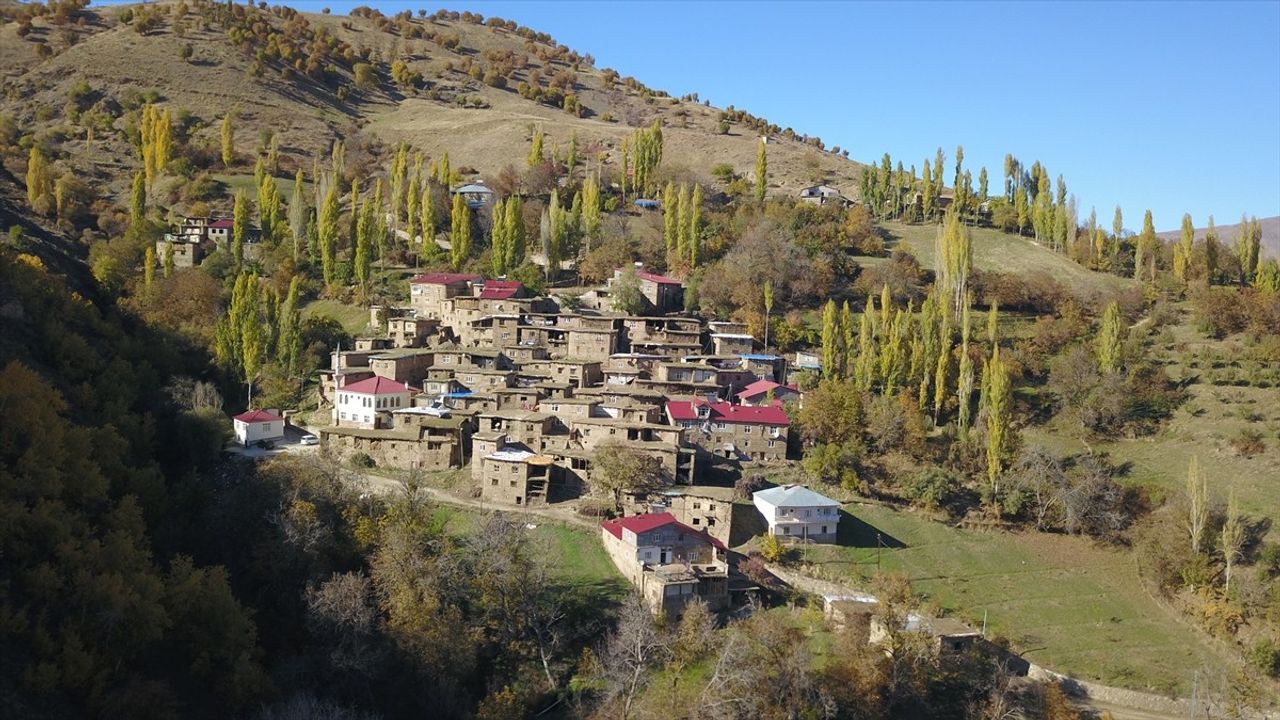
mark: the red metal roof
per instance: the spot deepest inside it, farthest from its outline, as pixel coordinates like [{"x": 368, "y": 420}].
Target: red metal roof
[
  {"x": 643, "y": 523},
  {"x": 761, "y": 387},
  {"x": 377, "y": 385},
  {"x": 500, "y": 289},
  {"x": 222, "y": 224},
  {"x": 724, "y": 412},
  {"x": 656, "y": 278},
  {"x": 256, "y": 416},
  {"x": 442, "y": 278}
]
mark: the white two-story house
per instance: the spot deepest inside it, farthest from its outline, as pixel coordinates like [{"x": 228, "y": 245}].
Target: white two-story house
[
  {"x": 369, "y": 403},
  {"x": 796, "y": 513}
]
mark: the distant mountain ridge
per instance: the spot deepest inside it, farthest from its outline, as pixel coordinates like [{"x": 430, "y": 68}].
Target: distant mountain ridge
[{"x": 1227, "y": 234}]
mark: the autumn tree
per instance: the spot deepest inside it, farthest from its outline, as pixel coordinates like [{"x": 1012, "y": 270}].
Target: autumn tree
[
  {"x": 39, "y": 182},
  {"x": 536, "y": 151},
  {"x": 618, "y": 469}
]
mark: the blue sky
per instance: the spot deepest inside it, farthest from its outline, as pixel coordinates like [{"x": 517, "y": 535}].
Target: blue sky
[{"x": 1169, "y": 106}]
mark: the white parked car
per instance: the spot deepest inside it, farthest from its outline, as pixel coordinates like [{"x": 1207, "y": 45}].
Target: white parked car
[{"x": 309, "y": 439}]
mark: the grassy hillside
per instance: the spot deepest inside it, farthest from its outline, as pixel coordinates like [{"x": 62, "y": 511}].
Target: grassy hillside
[
  {"x": 997, "y": 251},
  {"x": 1063, "y": 601},
  {"x": 119, "y": 65},
  {"x": 1230, "y": 394}
]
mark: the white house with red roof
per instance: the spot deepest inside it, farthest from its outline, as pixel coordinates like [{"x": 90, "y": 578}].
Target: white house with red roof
[
  {"x": 767, "y": 392},
  {"x": 257, "y": 425},
  {"x": 739, "y": 432},
  {"x": 369, "y": 403},
  {"x": 668, "y": 561}
]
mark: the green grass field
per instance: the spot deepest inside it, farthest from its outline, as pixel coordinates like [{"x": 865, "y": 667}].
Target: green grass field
[
  {"x": 354, "y": 319},
  {"x": 1064, "y": 602},
  {"x": 1001, "y": 252},
  {"x": 574, "y": 554}
]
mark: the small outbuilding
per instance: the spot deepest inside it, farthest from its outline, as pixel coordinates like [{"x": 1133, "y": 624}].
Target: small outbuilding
[{"x": 257, "y": 425}]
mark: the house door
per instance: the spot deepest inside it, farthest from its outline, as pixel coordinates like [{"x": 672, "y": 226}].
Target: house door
[{"x": 664, "y": 557}]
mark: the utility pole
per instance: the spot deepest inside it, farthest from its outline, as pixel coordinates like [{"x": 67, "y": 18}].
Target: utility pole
[{"x": 878, "y": 546}]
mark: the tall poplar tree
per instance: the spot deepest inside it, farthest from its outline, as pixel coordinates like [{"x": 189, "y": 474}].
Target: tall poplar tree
[
  {"x": 239, "y": 227},
  {"x": 515, "y": 246},
  {"x": 459, "y": 233},
  {"x": 327, "y": 234},
  {"x": 830, "y": 339},
  {"x": 1182, "y": 249},
  {"x": 670, "y": 219},
  {"x": 591, "y": 209},
  {"x": 695, "y": 222},
  {"x": 999, "y": 417},
  {"x": 1211, "y": 250},
  {"x": 138, "y": 202},
  {"x": 1110, "y": 335},
  {"x": 228, "y": 133},
  {"x": 297, "y": 216},
  {"x": 498, "y": 239}
]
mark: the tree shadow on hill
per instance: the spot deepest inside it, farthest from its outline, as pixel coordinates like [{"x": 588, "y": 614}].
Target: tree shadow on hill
[{"x": 858, "y": 533}]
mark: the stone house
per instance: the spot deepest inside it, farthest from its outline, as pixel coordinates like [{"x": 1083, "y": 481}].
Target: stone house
[
  {"x": 416, "y": 440},
  {"x": 404, "y": 365},
  {"x": 428, "y": 293},
  {"x": 669, "y": 562},
  {"x": 738, "y": 432},
  {"x": 701, "y": 507},
  {"x": 409, "y": 331},
  {"x": 592, "y": 344}
]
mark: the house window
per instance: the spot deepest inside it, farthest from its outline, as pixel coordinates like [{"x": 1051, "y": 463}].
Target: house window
[
  {"x": 493, "y": 481},
  {"x": 786, "y": 530},
  {"x": 697, "y": 506},
  {"x": 711, "y": 522},
  {"x": 824, "y": 529},
  {"x": 696, "y": 521}
]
